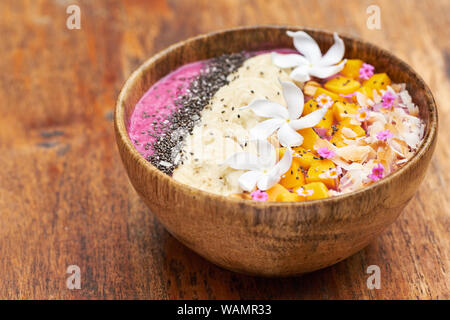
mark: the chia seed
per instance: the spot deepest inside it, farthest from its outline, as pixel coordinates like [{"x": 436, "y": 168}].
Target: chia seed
[{"x": 169, "y": 143}]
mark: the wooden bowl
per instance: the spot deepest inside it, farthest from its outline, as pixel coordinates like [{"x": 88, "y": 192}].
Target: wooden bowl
[{"x": 272, "y": 238}]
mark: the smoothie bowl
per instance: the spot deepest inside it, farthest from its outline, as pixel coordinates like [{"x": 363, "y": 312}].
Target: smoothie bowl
[{"x": 267, "y": 157}]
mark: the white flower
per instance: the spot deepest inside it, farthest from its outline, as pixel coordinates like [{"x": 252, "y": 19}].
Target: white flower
[
  {"x": 286, "y": 121},
  {"x": 263, "y": 170},
  {"x": 311, "y": 62}
]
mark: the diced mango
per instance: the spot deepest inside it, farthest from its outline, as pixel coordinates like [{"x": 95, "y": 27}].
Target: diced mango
[
  {"x": 280, "y": 193},
  {"x": 378, "y": 81},
  {"x": 293, "y": 177},
  {"x": 338, "y": 141},
  {"x": 326, "y": 122},
  {"x": 309, "y": 138},
  {"x": 322, "y": 171},
  {"x": 310, "y": 106},
  {"x": 289, "y": 197},
  {"x": 356, "y": 128},
  {"x": 342, "y": 85},
  {"x": 366, "y": 90},
  {"x": 342, "y": 109},
  {"x": 314, "y": 191},
  {"x": 332, "y": 95},
  {"x": 303, "y": 157},
  {"x": 245, "y": 196},
  {"x": 351, "y": 68},
  {"x": 338, "y": 136},
  {"x": 275, "y": 191}
]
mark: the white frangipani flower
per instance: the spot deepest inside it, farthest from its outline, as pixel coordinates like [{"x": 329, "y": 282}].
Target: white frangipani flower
[
  {"x": 263, "y": 170},
  {"x": 311, "y": 62},
  {"x": 286, "y": 121}
]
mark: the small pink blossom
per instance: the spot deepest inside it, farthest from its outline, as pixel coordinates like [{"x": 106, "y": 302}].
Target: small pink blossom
[
  {"x": 377, "y": 172},
  {"x": 324, "y": 101},
  {"x": 350, "y": 95},
  {"x": 384, "y": 135},
  {"x": 366, "y": 71},
  {"x": 388, "y": 99},
  {"x": 325, "y": 153},
  {"x": 259, "y": 195}
]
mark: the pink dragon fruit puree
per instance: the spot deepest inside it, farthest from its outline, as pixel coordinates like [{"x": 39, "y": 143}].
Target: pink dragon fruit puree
[{"x": 157, "y": 104}]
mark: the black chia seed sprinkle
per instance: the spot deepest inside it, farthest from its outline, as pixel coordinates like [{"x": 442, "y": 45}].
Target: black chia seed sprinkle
[{"x": 169, "y": 143}]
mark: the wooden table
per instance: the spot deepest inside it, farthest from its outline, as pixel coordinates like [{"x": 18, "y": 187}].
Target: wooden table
[{"x": 65, "y": 198}]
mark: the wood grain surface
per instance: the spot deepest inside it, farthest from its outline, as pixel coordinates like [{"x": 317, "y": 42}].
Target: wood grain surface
[{"x": 65, "y": 198}]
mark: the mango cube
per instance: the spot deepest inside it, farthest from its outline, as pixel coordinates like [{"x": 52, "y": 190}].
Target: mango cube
[
  {"x": 342, "y": 85},
  {"x": 323, "y": 171},
  {"x": 313, "y": 191},
  {"x": 356, "y": 128},
  {"x": 309, "y": 106},
  {"x": 309, "y": 138},
  {"x": 351, "y": 68},
  {"x": 342, "y": 109},
  {"x": 280, "y": 193},
  {"x": 366, "y": 90},
  {"x": 326, "y": 122},
  {"x": 337, "y": 138},
  {"x": 289, "y": 197},
  {"x": 275, "y": 191},
  {"x": 293, "y": 177},
  {"x": 332, "y": 95},
  {"x": 378, "y": 81},
  {"x": 304, "y": 157},
  {"x": 338, "y": 141},
  {"x": 338, "y": 135}
]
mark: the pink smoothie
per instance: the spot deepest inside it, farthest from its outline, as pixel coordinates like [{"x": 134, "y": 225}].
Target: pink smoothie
[{"x": 158, "y": 103}]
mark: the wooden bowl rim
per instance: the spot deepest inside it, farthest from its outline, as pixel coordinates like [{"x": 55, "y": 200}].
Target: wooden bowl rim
[{"x": 121, "y": 127}]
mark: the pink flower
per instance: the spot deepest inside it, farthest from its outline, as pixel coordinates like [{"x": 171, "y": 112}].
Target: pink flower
[
  {"x": 388, "y": 99},
  {"x": 384, "y": 135},
  {"x": 366, "y": 71},
  {"x": 350, "y": 95},
  {"x": 325, "y": 153},
  {"x": 377, "y": 172},
  {"x": 259, "y": 195},
  {"x": 324, "y": 101}
]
